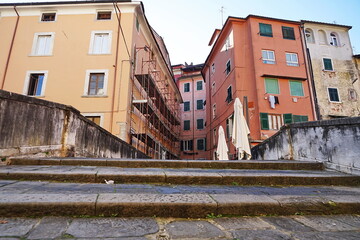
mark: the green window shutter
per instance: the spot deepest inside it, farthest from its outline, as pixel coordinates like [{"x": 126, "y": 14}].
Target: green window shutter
[
  {"x": 199, "y": 104},
  {"x": 304, "y": 118},
  {"x": 200, "y": 123},
  {"x": 328, "y": 64},
  {"x": 297, "y": 118},
  {"x": 204, "y": 144},
  {"x": 264, "y": 121},
  {"x": 287, "y": 118},
  {"x": 199, "y": 85},
  {"x": 191, "y": 145},
  {"x": 271, "y": 86},
  {"x": 296, "y": 88},
  {"x": 265, "y": 30},
  {"x": 288, "y": 33}
]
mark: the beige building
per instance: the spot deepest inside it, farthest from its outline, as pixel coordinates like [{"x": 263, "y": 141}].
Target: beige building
[
  {"x": 101, "y": 58},
  {"x": 334, "y": 73}
]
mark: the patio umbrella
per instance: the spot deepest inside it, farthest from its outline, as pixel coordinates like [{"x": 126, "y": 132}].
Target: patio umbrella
[
  {"x": 240, "y": 131},
  {"x": 222, "y": 149}
]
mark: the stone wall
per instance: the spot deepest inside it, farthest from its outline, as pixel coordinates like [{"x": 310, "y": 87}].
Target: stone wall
[
  {"x": 334, "y": 142},
  {"x": 31, "y": 126}
]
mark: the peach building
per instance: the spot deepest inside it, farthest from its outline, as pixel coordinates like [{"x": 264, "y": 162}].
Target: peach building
[
  {"x": 192, "y": 111},
  {"x": 102, "y": 58},
  {"x": 261, "y": 61}
]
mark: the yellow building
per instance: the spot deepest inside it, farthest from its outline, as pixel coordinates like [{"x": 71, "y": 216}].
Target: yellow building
[{"x": 102, "y": 58}]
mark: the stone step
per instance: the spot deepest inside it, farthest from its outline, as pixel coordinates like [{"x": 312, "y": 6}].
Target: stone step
[
  {"x": 20, "y": 198},
  {"x": 153, "y": 163},
  {"x": 93, "y": 174}
]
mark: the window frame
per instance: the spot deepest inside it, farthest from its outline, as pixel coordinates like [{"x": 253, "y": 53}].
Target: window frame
[
  {"x": 51, "y": 12},
  {"x": 187, "y": 121},
  {"x": 333, "y": 36},
  {"x": 311, "y": 38},
  {"x": 187, "y": 84},
  {"x": 278, "y": 86},
  {"x": 324, "y": 65},
  {"x": 337, "y": 92},
  {"x": 35, "y": 43},
  {"x": 87, "y": 81},
  {"x": 103, "y": 11},
  {"x": 197, "y": 85},
  {"x": 202, "y": 104},
  {"x": 265, "y": 34},
  {"x": 292, "y": 63},
  {"x": 286, "y": 30},
  {"x": 228, "y": 67},
  {"x": 302, "y": 88},
  {"x": 27, "y": 82},
  {"x": 187, "y": 145},
  {"x": 187, "y": 108},
  {"x": 197, "y": 124},
  {"x": 268, "y": 60},
  {"x": 92, "y": 42},
  {"x": 204, "y": 144},
  {"x": 101, "y": 115}
]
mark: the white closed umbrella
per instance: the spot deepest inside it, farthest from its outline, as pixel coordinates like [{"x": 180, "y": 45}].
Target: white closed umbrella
[
  {"x": 240, "y": 131},
  {"x": 222, "y": 148}
]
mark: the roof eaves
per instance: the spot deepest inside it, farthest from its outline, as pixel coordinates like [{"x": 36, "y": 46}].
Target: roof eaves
[
  {"x": 60, "y": 2},
  {"x": 324, "y": 23}
]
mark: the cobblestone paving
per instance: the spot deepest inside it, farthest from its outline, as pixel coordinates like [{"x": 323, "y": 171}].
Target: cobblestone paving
[{"x": 339, "y": 227}]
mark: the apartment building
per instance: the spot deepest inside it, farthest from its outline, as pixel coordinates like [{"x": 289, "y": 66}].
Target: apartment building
[
  {"x": 192, "y": 111},
  {"x": 333, "y": 69},
  {"x": 261, "y": 61},
  {"x": 102, "y": 58}
]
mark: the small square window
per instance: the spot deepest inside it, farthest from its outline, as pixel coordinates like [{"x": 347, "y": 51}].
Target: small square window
[
  {"x": 333, "y": 95},
  {"x": 271, "y": 86},
  {"x": 186, "y": 125},
  {"x": 199, "y": 104},
  {"x": 328, "y": 64},
  {"x": 48, "y": 17},
  {"x": 296, "y": 88},
  {"x": 100, "y": 42},
  {"x": 288, "y": 33},
  {"x": 265, "y": 30},
  {"x": 96, "y": 84},
  {"x": 268, "y": 56},
  {"x": 36, "y": 82},
  {"x": 292, "y": 59},
  {"x": 186, "y": 87},
  {"x": 95, "y": 119},
  {"x": 104, "y": 15},
  {"x": 199, "y": 85},
  {"x": 186, "y": 106}
]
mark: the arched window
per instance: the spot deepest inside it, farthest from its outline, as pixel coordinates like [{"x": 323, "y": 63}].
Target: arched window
[
  {"x": 309, "y": 35},
  {"x": 334, "y": 39},
  {"x": 322, "y": 37}
]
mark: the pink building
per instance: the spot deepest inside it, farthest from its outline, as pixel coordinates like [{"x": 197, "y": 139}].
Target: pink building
[{"x": 192, "y": 112}]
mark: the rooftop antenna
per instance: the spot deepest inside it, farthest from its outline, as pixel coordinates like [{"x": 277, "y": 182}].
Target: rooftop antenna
[{"x": 222, "y": 15}]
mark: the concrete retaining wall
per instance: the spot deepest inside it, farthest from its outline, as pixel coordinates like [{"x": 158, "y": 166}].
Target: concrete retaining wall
[
  {"x": 31, "y": 126},
  {"x": 334, "y": 142}
]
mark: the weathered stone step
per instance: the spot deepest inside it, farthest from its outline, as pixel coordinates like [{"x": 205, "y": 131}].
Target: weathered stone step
[
  {"x": 153, "y": 163},
  {"x": 19, "y": 198},
  {"x": 92, "y": 174}
]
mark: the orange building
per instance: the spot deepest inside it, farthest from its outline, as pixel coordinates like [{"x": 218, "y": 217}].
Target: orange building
[
  {"x": 193, "y": 111},
  {"x": 261, "y": 61},
  {"x": 103, "y": 58}
]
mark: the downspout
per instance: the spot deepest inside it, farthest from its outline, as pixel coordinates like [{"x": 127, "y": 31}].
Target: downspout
[
  {"x": 117, "y": 12},
  {"x": 309, "y": 71},
  {"x": 11, "y": 47}
]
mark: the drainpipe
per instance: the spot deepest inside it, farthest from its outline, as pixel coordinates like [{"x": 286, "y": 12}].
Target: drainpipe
[
  {"x": 309, "y": 71},
  {"x": 11, "y": 47},
  {"x": 117, "y": 12}
]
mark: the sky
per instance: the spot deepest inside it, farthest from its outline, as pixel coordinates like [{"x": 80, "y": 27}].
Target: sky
[{"x": 187, "y": 25}]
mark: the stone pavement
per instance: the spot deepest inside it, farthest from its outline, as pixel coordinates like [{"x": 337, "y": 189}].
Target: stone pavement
[{"x": 335, "y": 227}]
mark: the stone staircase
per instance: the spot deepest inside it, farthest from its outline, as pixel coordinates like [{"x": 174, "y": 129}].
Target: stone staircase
[{"x": 173, "y": 188}]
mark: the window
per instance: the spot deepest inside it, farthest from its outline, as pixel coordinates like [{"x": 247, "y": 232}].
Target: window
[
  {"x": 186, "y": 125},
  {"x": 199, "y": 85},
  {"x": 43, "y": 44},
  {"x": 104, "y": 15},
  {"x": 100, "y": 42},
  {"x": 228, "y": 67},
  {"x": 186, "y": 106},
  {"x": 352, "y": 95},
  {"x": 214, "y": 111},
  {"x": 199, "y": 104},
  {"x": 328, "y": 64},
  {"x": 288, "y": 33},
  {"x": 35, "y": 84},
  {"x": 334, "y": 40},
  {"x": 333, "y": 95},
  {"x": 95, "y": 119},
  {"x": 265, "y": 30},
  {"x": 96, "y": 83},
  {"x": 289, "y": 118},
  {"x": 186, "y": 87},
  {"x": 213, "y": 68},
  {"x": 201, "y": 144},
  {"x": 271, "y": 121},
  {"x": 187, "y": 145},
  {"x": 309, "y": 35},
  {"x": 268, "y": 56},
  {"x": 271, "y": 86},
  {"x": 229, "y": 95},
  {"x": 48, "y": 17},
  {"x": 296, "y": 88},
  {"x": 229, "y": 126},
  {"x": 292, "y": 59},
  {"x": 199, "y": 124},
  {"x": 322, "y": 37}
]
